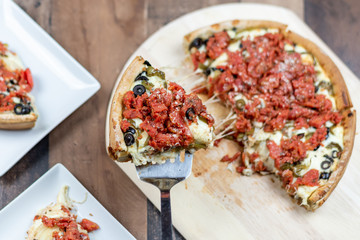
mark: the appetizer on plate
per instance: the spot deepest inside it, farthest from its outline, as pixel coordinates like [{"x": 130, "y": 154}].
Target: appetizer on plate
[
  {"x": 58, "y": 222},
  {"x": 291, "y": 108},
  {"x": 152, "y": 119},
  {"x": 17, "y": 109}
]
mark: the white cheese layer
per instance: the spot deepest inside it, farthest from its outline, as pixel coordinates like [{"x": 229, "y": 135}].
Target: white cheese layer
[
  {"x": 38, "y": 230},
  {"x": 201, "y": 132},
  {"x": 142, "y": 153},
  {"x": 12, "y": 61},
  {"x": 252, "y": 33},
  {"x": 324, "y": 159},
  {"x": 303, "y": 192}
]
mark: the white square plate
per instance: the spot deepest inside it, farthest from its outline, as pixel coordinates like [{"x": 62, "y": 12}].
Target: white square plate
[
  {"x": 16, "y": 218},
  {"x": 61, "y": 84}
]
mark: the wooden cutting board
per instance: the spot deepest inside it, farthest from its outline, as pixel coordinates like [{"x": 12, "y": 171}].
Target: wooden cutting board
[{"x": 216, "y": 203}]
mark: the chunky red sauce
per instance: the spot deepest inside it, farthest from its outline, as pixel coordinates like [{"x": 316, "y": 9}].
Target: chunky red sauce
[
  {"x": 281, "y": 88},
  {"x": 68, "y": 226},
  {"x": 13, "y": 84},
  {"x": 165, "y": 115},
  {"x": 3, "y": 48}
]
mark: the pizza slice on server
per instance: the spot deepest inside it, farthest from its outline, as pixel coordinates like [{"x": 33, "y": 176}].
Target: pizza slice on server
[
  {"x": 17, "y": 109},
  {"x": 290, "y": 103},
  {"x": 152, "y": 119}
]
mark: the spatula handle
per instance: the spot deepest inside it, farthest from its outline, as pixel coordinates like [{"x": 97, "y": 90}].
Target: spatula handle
[{"x": 166, "y": 224}]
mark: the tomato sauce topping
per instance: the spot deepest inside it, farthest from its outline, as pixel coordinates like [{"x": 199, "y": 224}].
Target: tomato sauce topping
[
  {"x": 269, "y": 72},
  {"x": 89, "y": 225},
  {"x": 166, "y": 115},
  {"x": 15, "y": 83},
  {"x": 3, "y": 48},
  {"x": 280, "y": 88},
  {"x": 69, "y": 226}
]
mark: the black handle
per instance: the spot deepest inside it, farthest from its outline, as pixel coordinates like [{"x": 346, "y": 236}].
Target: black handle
[{"x": 166, "y": 224}]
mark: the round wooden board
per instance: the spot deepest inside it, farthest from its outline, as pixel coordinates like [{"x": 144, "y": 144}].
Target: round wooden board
[{"x": 216, "y": 203}]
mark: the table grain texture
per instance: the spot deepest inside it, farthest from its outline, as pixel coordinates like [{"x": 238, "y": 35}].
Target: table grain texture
[{"x": 101, "y": 35}]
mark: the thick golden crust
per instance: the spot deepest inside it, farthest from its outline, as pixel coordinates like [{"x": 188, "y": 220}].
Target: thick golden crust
[
  {"x": 342, "y": 97},
  {"x": 343, "y": 104},
  {"x": 117, "y": 148},
  {"x": 239, "y": 24},
  {"x": 319, "y": 196},
  {"x": 12, "y": 121}
]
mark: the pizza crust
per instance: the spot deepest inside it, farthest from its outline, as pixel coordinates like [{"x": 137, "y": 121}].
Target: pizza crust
[
  {"x": 342, "y": 97},
  {"x": 320, "y": 195},
  {"x": 239, "y": 24},
  {"x": 116, "y": 148},
  {"x": 11, "y": 121}
]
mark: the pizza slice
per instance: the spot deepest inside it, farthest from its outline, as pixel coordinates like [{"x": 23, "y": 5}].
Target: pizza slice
[
  {"x": 56, "y": 221},
  {"x": 293, "y": 114},
  {"x": 17, "y": 109},
  {"x": 152, "y": 119}
]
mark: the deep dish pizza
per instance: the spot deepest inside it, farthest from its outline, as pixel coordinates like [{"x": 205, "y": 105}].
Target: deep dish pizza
[
  {"x": 152, "y": 119},
  {"x": 57, "y": 221},
  {"x": 17, "y": 109},
  {"x": 290, "y": 106}
]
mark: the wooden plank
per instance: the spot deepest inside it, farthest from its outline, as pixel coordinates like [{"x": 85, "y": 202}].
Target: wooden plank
[
  {"x": 337, "y": 23},
  {"x": 24, "y": 173},
  {"x": 161, "y": 12},
  {"x": 296, "y": 6},
  {"x": 100, "y": 35}
]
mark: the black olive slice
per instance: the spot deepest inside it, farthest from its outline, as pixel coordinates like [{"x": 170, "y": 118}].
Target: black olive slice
[
  {"x": 26, "y": 109},
  {"x": 334, "y": 154},
  {"x": 147, "y": 63},
  {"x": 325, "y": 165},
  {"x": 190, "y": 114},
  {"x": 139, "y": 90},
  {"x": 316, "y": 89},
  {"x": 131, "y": 130},
  {"x": 197, "y": 42},
  {"x": 327, "y": 133},
  {"x": 129, "y": 139},
  {"x": 21, "y": 109},
  {"x": 301, "y": 135},
  {"x": 141, "y": 77},
  {"x": 240, "y": 46},
  {"x": 207, "y": 71},
  {"x": 220, "y": 69},
  {"x": 324, "y": 175}
]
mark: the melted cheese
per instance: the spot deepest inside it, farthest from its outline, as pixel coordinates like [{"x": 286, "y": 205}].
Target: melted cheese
[
  {"x": 257, "y": 142},
  {"x": 12, "y": 61},
  {"x": 303, "y": 192},
  {"x": 201, "y": 132},
  {"x": 220, "y": 61},
  {"x": 142, "y": 154},
  {"x": 252, "y": 33},
  {"x": 38, "y": 230}
]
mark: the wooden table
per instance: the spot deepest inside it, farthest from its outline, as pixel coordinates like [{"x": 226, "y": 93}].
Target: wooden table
[{"x": 102, "y": 35}]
